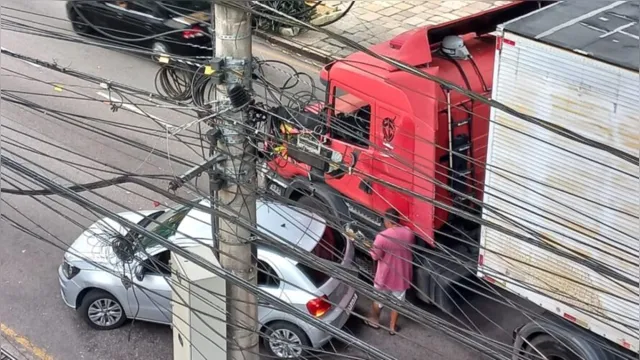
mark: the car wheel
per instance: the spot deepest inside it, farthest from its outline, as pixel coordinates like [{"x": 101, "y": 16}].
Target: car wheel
[
  {"x": 79, "y": 25},
  {"x": 159, "y": 48},
  {"x": 284, "y": 340},
  {"x": 101, "y": 310}
]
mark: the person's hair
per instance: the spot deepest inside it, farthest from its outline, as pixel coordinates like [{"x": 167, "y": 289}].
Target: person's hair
[{"x": 392, "y": 215}]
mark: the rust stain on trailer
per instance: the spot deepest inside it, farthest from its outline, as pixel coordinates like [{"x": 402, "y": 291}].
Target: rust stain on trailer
[{"x": 555, "y": 277}]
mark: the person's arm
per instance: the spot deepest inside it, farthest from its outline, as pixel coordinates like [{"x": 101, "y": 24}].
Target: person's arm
[{"x": 377, "y": 250}]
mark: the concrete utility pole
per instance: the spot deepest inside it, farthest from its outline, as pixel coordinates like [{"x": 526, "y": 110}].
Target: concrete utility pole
[{"x": 237, "y": 253}]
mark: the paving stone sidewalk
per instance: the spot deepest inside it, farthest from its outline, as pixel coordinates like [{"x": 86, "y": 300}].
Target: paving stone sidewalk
[{"x": 371, "y": 22}]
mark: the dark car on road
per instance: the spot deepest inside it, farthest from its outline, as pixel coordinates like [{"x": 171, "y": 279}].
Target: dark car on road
[{"x": 184, "y": 25}]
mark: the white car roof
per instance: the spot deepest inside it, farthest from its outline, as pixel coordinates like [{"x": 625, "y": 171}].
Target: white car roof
[{"x": 282, "y": 222}]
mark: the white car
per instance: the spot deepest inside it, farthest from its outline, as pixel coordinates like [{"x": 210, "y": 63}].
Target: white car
[{"x": 105, "y": 302}]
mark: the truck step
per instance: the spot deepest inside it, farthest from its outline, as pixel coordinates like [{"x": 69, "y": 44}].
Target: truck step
[
  {"x": 461, "y": 122},
  {"x": 462, "y": 148}
]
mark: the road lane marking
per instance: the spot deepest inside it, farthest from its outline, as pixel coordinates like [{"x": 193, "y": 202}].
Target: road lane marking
[{"x": 26, "y": 344}]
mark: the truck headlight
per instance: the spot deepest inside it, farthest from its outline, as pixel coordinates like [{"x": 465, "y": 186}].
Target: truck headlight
[{"x": 69, "y": 270}]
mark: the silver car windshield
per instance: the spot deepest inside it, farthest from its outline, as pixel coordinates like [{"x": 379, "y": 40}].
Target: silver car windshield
[{"x": 165, "y": 225}]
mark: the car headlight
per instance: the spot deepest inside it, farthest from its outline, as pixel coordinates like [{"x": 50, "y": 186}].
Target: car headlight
[{"x": 69, "y": 270}]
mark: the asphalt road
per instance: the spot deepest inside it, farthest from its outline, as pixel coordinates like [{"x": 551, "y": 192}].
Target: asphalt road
[{"x": 31, "y": 310}]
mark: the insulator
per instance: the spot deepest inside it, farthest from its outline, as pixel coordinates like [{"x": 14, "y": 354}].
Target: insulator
[{"x": 238, "y": 96}]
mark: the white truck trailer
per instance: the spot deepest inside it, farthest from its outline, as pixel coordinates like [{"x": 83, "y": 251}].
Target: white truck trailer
[{"x": 570, "y": 201}]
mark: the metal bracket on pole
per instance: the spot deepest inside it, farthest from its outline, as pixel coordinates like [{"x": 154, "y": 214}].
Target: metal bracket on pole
[
  {"x": 195, "y": 171},
  {"x": 236, "y": 70},
  {"x": 233, "y": 37}
]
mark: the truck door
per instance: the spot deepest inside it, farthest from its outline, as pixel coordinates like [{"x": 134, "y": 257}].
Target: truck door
[
  {"x": 393, "y": 155},
  {"x": 350, "y": 115}
]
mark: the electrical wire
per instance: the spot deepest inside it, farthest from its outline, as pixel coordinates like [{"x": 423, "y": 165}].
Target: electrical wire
[{"x": 417, "y": 72}]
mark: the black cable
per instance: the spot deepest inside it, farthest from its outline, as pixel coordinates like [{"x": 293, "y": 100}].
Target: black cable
[
  {"x": 232, "y": 278},
  {"x": 76, "y": 188},
  {"x": 173, "y": 82}
]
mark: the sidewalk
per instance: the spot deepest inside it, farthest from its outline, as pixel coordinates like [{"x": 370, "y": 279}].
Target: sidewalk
[{"x": 371, "y": 22}]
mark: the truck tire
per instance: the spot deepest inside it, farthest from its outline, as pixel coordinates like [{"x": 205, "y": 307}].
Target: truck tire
[
  {"x": 549, "y": 348},
  {"x": 439, "y": 276}
]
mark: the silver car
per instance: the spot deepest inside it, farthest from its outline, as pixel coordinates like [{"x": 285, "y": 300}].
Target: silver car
[{"x": 94, "y": 271}]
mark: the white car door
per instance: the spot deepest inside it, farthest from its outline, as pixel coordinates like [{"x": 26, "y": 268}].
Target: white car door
[{"x": 268, "y": 281}]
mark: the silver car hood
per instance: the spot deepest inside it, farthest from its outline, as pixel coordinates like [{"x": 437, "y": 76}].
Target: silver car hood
[{"x": 94, "y": 245}]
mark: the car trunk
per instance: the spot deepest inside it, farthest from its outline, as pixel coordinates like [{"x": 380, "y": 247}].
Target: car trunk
[{"x": 331, "y": 247}]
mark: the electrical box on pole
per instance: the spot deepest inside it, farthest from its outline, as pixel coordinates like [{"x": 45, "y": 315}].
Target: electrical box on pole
[{"x": 199, "y": 308}]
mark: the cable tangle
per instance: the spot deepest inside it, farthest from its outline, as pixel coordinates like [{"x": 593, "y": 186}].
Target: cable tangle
[{"x": 280, "y": 115}]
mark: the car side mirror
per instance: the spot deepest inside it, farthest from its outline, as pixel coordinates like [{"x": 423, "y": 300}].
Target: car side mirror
[{"x": 139, "y": 272}]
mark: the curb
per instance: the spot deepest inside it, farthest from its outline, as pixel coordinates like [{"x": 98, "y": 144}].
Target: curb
[{"x": 306, "y": 51}]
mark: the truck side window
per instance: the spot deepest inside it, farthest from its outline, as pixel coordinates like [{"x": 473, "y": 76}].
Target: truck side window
[{"x": 351, "y": 118}]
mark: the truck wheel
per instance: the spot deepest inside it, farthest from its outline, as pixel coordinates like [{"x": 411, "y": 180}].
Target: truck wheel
[{"x": 549, "y": 348}]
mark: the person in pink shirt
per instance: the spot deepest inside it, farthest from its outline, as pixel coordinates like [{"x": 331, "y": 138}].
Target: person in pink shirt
[{"x": 392, "y": 251}]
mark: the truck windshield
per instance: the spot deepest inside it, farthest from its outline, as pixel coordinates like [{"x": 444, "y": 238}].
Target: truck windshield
[
  {"x": 351, "y": 121},
  {"x": 165, "y": 225}
]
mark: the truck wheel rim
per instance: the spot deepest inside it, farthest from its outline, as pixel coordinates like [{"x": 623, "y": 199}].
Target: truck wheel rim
[
  {"x": 285, "y": 344},
  {"x": 104, "y": 312}
]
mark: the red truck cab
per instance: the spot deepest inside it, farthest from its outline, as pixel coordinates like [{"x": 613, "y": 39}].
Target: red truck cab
[{"x": 396, "y": 140}]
